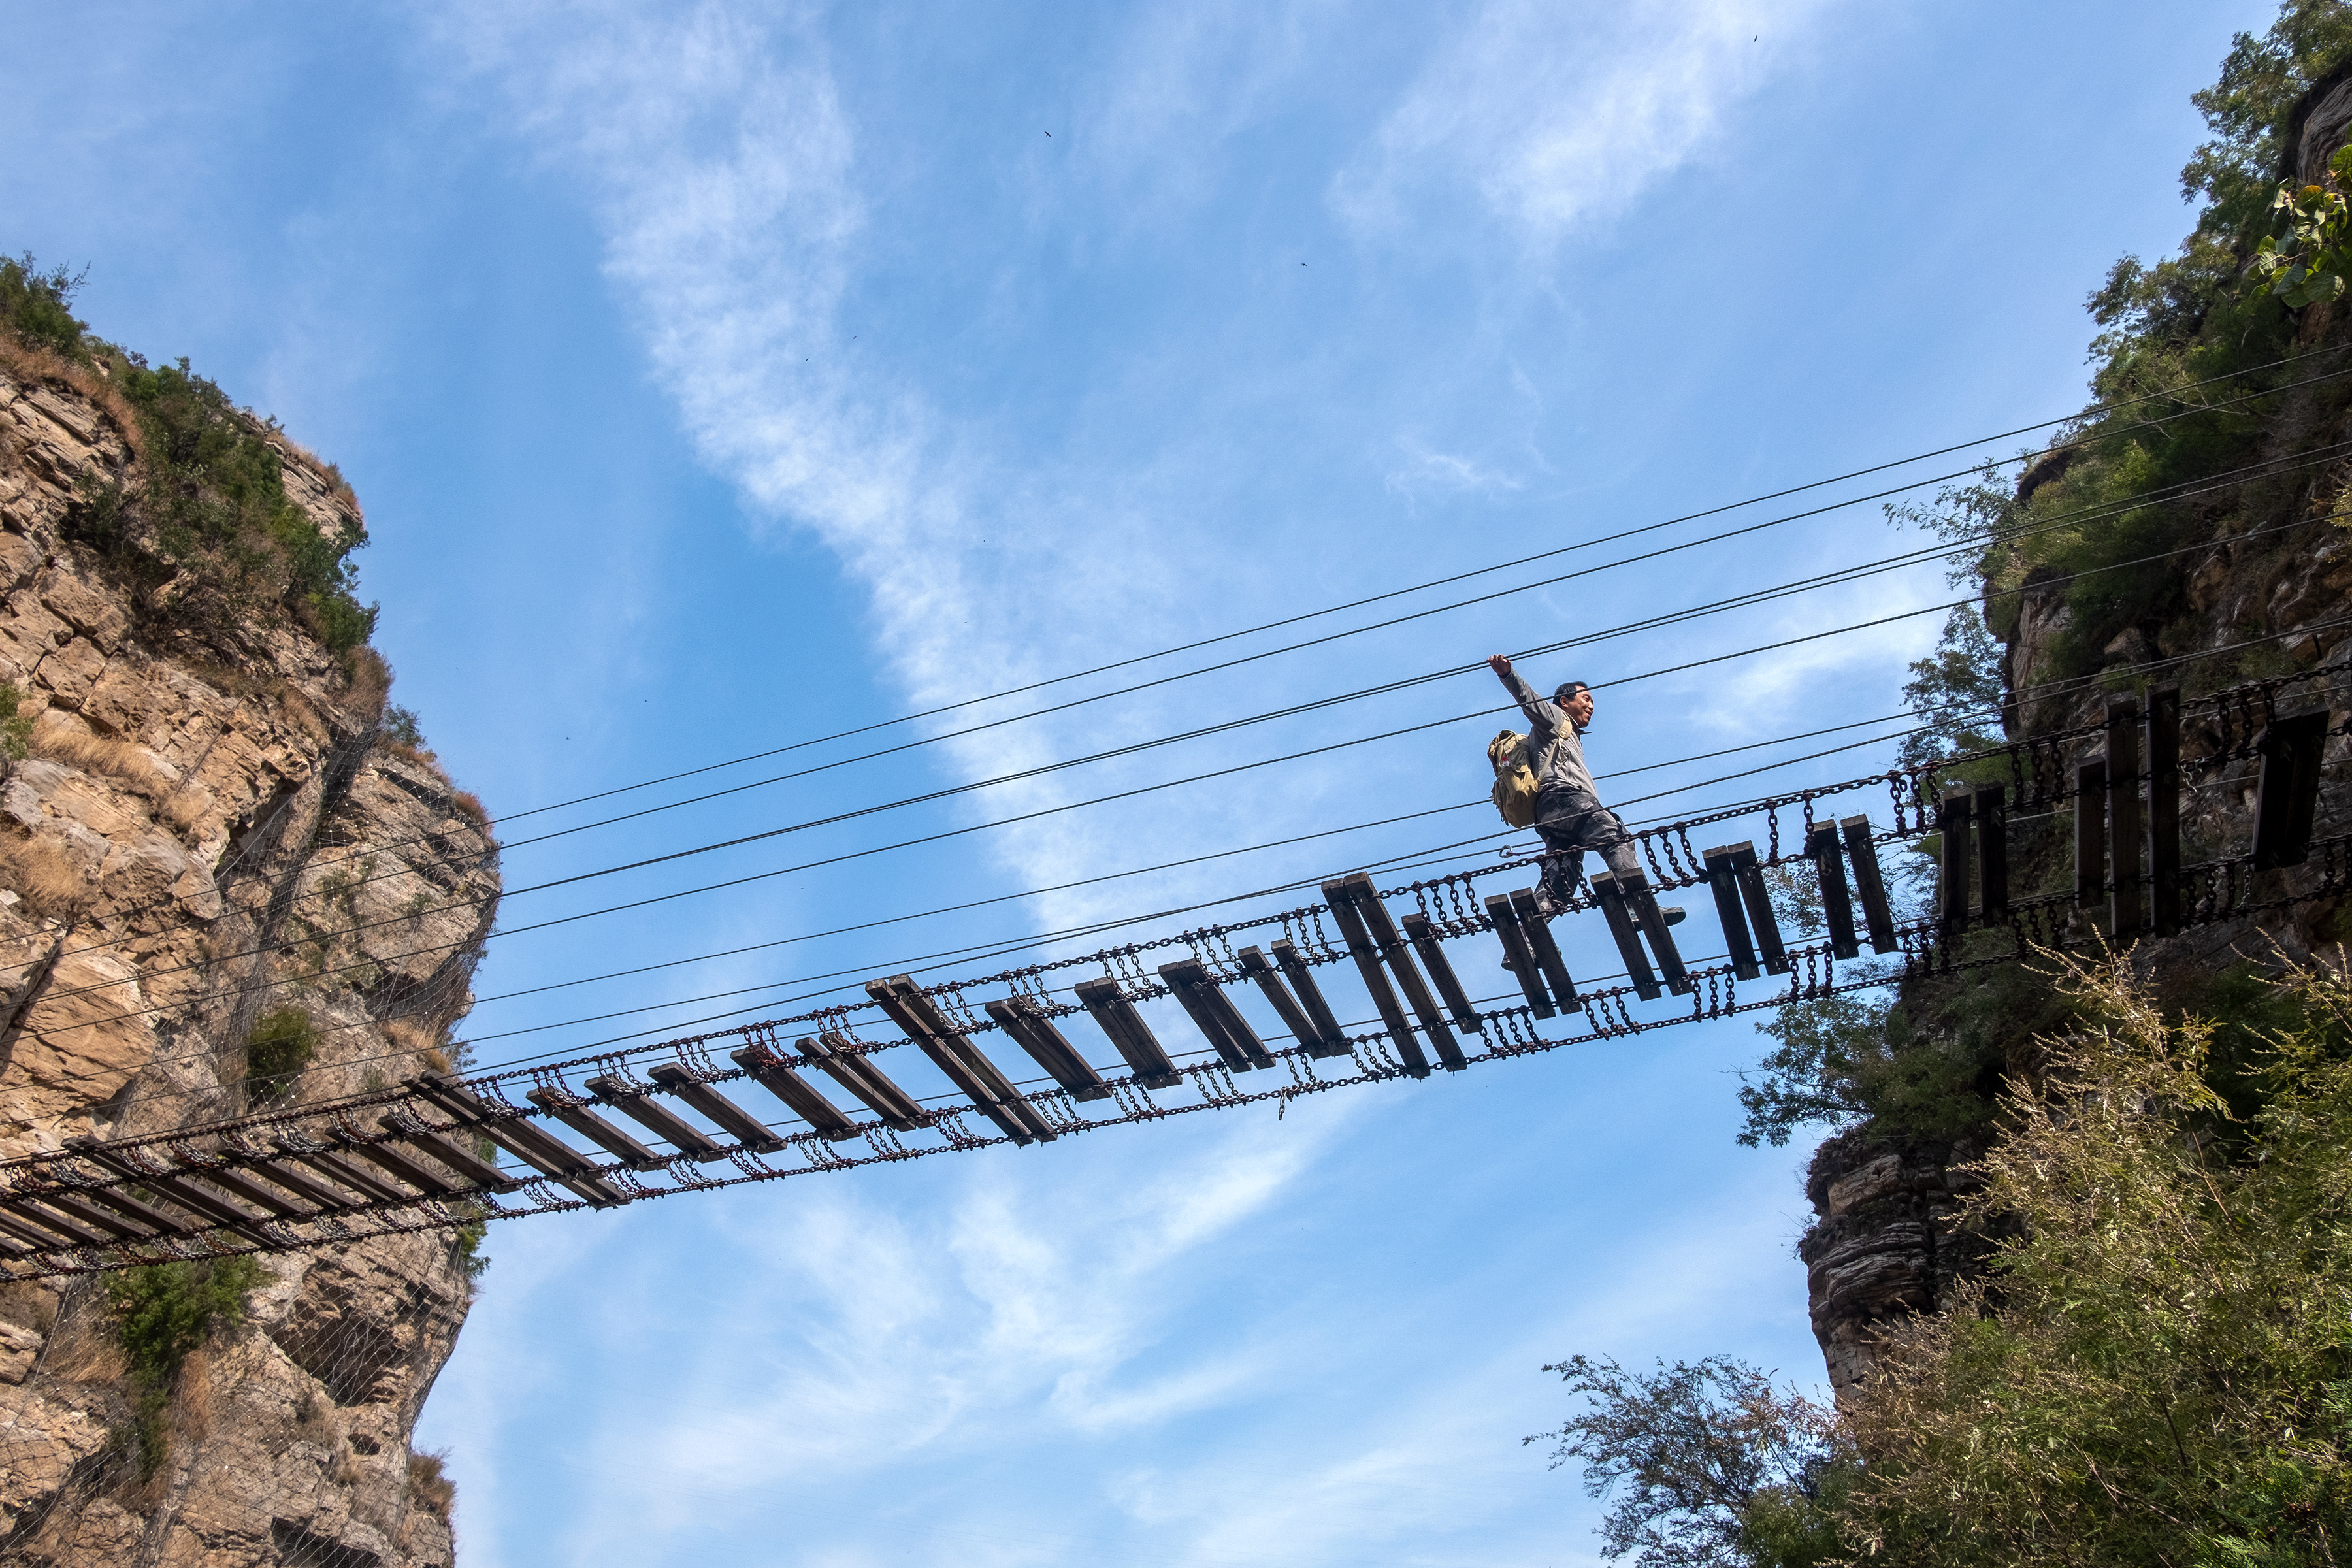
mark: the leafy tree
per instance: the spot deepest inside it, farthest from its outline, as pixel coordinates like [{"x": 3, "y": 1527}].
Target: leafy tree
[
  {"x": 37, "y": 306},
  {"x": 2159, "y": 1370},
  {"x": 1717, "y": 1465},
  {"x": 2310, "y": 266},
  {"x": 210, "y": 535},
  {"x": 1954, "y": 692}
]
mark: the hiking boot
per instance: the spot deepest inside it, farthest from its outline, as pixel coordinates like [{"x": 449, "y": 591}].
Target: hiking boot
[{"x": 1668, "y": 914}]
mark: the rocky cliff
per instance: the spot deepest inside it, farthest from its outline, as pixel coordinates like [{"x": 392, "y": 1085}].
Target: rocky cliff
[
  {"x": 201, "y": 813},
  {"x": 2259, "y": 584}
]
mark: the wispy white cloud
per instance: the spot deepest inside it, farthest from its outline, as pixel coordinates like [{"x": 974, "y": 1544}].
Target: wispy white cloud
[
  {"x": 1560, "y": 117},
  {"x": 1427, "y": 472}
]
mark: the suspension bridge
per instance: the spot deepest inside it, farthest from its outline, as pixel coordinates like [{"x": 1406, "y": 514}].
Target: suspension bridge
[{"x": 837, "y": 1087}]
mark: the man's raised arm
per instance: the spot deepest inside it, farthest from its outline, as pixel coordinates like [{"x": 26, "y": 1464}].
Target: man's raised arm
[{"x": 1538, "y": 710}]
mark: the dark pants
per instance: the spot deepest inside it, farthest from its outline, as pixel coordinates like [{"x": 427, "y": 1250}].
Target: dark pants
[{"x": 1570, "y": 822}]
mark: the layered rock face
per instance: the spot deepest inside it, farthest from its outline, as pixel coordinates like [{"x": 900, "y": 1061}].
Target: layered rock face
[
  {"x": 1887, "y": 1240},
  {"x": 187, "y": 849}
]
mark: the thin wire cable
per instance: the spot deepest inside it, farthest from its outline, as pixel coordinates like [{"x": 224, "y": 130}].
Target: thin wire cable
[
  {"x": 2107, "y": 508},
  {"x": 932, "y": 959},
  {"x": 1833, "y": 577},
  {"x": 1526, "y": 559},
  {"x": 498, "y": 849},
  {"x": 1146, "y": 789},
  {"x": 1004, "y": 947}
]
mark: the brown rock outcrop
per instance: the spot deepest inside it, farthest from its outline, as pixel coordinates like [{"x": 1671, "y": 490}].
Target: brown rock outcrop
[
  {"x": 201, "y": 835},
  {"x": 1886, "y": 1239}
]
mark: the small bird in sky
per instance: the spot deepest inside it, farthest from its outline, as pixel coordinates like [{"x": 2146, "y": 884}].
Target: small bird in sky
[{"x": 1049, "y": 134}]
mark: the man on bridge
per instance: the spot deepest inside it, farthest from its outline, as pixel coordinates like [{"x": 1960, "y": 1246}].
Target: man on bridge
[{"x": 1570, "y": 817}]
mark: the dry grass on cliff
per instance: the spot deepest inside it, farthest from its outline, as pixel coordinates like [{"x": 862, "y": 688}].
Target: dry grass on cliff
[
  {"x": 35, "y": 364},
  {"x": 125, "y": 762},
  {"x": 48, "y": 881},
  {"x": 370, "y": 682},
  {"x": 469, "y": 805},
  {"x": 429, "y": 1487}
]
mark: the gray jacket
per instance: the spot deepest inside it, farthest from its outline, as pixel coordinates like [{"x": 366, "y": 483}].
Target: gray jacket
[{"x": 1555, "y": 751}]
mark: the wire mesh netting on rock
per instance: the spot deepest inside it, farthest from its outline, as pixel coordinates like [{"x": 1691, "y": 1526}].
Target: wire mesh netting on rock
[{"x": 240, "y": 1412}]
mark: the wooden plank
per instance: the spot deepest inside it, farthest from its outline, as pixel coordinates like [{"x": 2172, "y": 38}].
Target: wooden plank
[
  {"x": 2163, "y": 737},
  {"x": 30, "y": 1215},
  {"x": 732, "y": 1118},
  {"x": 518, "y": 1136},
  {"x": 96, "y": 1219},
  {"x": 1237, "y": 1030},
  {"x": 1652, "y": 921},
  {"x": 1952, "y": 817},
  {"x": 1723, "y": 881},
  {"x": 2126, "y": 915},
  {"x": 197, "y": 1200},
  {"x": 1989, "y": 809},
  {"x": 1027, "y": 1027},
  {"x": 803, "y": 1098},
  {"x": 1259, "y": 968},
  {"x": 965, "y": 1065},
  {"x": 1375, "y": 978},
  {"x": 1128, "y": 1033},
  {"x": 1628, "y": 942},
  {"x": 991, "y": 1077},
  {"x": 123, "y": 1203},
  {"x": 1301, "y": 976},
  {"x": 558, "y": 1160},
  {"x": 370, "y": 1186},
  {"x": 1008, "y": 1120},
  {"x": 1399, "y": 958},
  {"x": 31, "y": 1234},
  {"x": 284, "y": 1172},
  {"x": 657, "y": 1119},
  {"x": 1189, "y": 983},
  {"x": 863, "y": 1079},
  {"x": 2090, "y": 833},
  {"x": 2286, "y": 792},
  {"x": 400, "y": 1165},
  {"x": 1757, "y": 899},
  {"x": 1518, "y": 956},
  {"x": 464, "y": 1162},
  {"x": 1869, "y": 883},
  {"x": 1420, "y": 930},
  {"x": 571, "y": 1171},
  {"x": 1837, "y": 903},
  {"x": 574, "y": 1113},
  {"x": 1549, "y": 962},
  {"x": 254, "y": 1192},
  {"x": 991, "y": 1092}
]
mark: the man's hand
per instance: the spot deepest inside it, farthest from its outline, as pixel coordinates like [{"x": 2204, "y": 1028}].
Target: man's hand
[{"x": 1501, "y": 664}]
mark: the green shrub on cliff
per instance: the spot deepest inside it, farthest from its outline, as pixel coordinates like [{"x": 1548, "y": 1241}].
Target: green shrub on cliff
[
  {"x": 2159, "y": 1370},
  {"x": 225, "y": 536},
  {"x": 2155, "y": 1372},
  {"x": 162, "y": 1312},
  {"x": 37, "y": 306},
  {"x": 2158, "y": 472},
  {"x": 282, "y": 1044},
  {"x": 209, "y": 536}
]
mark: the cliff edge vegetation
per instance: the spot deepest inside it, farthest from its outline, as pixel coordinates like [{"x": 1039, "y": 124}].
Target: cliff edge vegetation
[
  {"x": 231, "y": 876},
  {"x": 2079, "y": 1265}
]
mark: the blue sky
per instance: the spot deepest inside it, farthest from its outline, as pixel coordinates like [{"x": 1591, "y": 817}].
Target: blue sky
[{"x": 718, "y": 376}]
